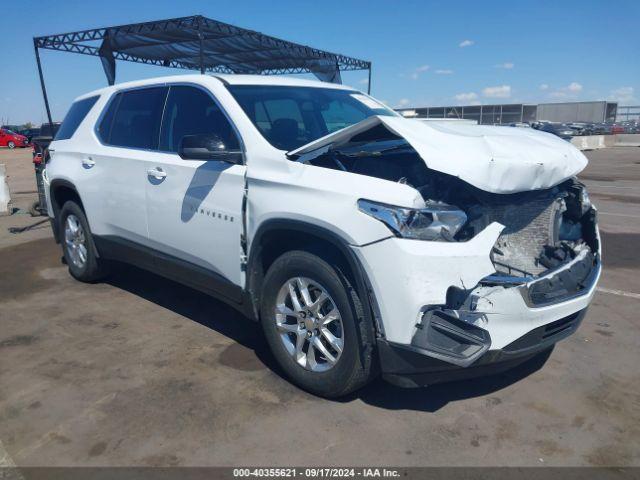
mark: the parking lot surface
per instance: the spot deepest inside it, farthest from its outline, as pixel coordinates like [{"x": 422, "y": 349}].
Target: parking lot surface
[{"x": 142, "y": 371}]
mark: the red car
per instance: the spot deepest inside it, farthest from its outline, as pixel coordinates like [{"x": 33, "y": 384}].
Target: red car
[{"x": 11, "y": 139}]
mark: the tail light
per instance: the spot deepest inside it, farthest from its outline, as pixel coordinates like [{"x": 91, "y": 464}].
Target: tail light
[{"x": 37, "y": 158}]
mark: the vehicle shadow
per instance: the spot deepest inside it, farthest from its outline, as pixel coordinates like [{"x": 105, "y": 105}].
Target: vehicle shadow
[
  {"x": 204, "y": 179},
  {"x": 432, "y": 398},
  {"x": 218, "y": 316}
]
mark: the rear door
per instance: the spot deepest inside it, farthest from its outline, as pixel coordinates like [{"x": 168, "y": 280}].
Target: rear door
[
  {"x": 115, "y": 174},
  {"x": 194, "y": 207}
]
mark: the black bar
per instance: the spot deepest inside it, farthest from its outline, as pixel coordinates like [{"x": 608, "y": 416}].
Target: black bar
[
  {"x": 369, "y": 82},
  {"x": 44, "y": 89},
  {"x": 201, "y": 37}
]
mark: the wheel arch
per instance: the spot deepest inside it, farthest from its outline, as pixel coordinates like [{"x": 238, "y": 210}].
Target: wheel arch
[
  {"x": 61, "y": 191},
  {"x": 277, "y": 236}
]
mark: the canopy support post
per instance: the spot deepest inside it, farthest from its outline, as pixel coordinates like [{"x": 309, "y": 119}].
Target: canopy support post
[
  {"x": 44, "y": 89},
  {"x": 369, "y": 82},
  {"x": 201, "y": 37}
]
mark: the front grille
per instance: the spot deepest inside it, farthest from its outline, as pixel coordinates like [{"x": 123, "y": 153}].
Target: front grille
[{"x": 530, "y": 224}]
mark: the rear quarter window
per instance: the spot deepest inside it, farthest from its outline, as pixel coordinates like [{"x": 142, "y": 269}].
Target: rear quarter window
[{"x": 74, "y": 117}]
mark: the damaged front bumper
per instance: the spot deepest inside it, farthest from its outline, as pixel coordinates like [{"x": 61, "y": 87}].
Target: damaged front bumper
[{"x": 444, "y": 314}]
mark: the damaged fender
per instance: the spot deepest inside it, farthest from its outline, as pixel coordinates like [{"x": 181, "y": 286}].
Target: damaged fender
[{"x": 412, "y": 275}]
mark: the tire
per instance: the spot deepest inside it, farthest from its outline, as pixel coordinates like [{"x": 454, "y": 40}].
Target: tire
[
  {"x": 11, "y": 145},
  {"x": 34, "y": 209},
  {"x": 352, "y": 365},
  {"x": 84, "y": 264}
]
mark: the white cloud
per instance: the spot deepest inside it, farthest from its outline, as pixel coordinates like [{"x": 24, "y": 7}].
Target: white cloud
[
  {"x": 403, "y": 102},
  {"x": 570, "y": 91},
  {"x": 466, "y": 43},
  {"x": 363, "y": 81},
  {"x": 623, "y": 94},
  {"x": 502, "y": 91},
  {"x": 444, "y": 71},
  {"x": 416, "y": 73},
  {"x": 506, "y": 65},
  {"x": 544, "y": 86},
  {"x": 466, "y": 97},
  {"x": 574, "y": 87}
]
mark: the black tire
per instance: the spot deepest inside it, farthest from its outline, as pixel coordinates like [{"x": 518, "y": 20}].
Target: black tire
[
  {"x": 34, "y": 209},
  {"x": 354, "y": 367},
  {"x": 11, "y": 145},
  {"x": 94, "y": 268}
]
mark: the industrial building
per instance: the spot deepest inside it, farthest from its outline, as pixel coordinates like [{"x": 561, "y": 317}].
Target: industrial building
[{"x": 501, "y": 114}]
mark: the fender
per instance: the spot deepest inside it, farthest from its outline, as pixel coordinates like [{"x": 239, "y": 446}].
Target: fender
[{"x": 363, "y": 287}]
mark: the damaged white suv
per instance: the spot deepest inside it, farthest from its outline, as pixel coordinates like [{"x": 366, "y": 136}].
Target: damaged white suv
[{"x": 363, "y": 242}]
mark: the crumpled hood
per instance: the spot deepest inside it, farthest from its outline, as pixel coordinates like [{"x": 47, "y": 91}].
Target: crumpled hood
[{"x": 494, "y": 159}]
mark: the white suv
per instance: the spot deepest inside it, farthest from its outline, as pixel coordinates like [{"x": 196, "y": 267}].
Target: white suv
[{"x": 364, "y": 242}]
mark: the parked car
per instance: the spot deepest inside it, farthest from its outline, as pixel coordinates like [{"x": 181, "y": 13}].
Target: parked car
[
  {"x": 520, "y": 124},
  {"x": 581, "y": 129},
  {"x": 617, "y": 128},
  {"x": 11, "y": 139},
  {"x": 424, "y": 253},
  {"x": 41, "y": 141},
  {"x": 631, "y": 127},
  {"x": 559, "y": 129},
  {"x": 30, "y": 133},
  {"x": 601, "y": 128}
]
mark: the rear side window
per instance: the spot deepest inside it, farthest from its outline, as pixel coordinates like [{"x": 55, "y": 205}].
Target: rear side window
[
  {"x": 74, "y": 117},
  {"x": 191, "y": 111},
  {"x": 133, "y": 119}
]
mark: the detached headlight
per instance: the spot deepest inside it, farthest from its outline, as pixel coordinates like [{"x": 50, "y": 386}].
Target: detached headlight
[{"x": 435, "y": 222}]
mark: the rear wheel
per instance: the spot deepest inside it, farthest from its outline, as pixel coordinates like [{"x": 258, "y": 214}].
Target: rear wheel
[
  {"x": 314, "y": 323},
  {"x": 11, "y": 145},
  {"x": 77, "y": 245}
]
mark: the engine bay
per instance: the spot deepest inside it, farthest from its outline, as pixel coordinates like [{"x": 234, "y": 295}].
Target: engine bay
[{"x": 544, "y": 229}]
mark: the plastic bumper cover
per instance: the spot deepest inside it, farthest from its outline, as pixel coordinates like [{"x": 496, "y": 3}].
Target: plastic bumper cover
[{"x": 410, "y": 366}]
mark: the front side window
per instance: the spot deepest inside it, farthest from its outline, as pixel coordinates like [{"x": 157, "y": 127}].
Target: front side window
[
  {"x": 289, "y": 117},
  {"x": 191, "y": 111},
  {"x": 74, "y": 117},
  {"x": 133, "y": 119}
]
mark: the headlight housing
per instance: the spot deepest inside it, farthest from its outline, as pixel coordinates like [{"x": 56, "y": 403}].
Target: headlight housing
[{"x": 435, "y": 222}]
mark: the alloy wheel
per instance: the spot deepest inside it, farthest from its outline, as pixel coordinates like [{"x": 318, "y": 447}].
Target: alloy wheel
[
  {"x": 75, "y": 240},
  {"x": 309, "y": 324}
]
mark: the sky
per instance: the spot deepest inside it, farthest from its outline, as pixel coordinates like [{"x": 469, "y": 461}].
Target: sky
[{"x": 424, "y": 53}]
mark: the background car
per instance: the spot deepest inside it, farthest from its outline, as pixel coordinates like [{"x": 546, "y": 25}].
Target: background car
[
  {"x": 559, "y": 129},
  {"x": 30, "y": 133},
  {"x": 9, "y": 138},
  {"x": 581, "y": 128}
]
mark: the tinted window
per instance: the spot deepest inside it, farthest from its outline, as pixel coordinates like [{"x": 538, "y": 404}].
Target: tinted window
[
  {"x": 74, "y": 117},
  {"x": 133, "y": 119},
  {"x": 191, "y": 111},
  {"x": 289, "y": 117}
]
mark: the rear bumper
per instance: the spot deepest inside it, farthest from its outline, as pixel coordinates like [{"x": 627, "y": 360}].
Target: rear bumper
[{"x": 410, "y": 366}]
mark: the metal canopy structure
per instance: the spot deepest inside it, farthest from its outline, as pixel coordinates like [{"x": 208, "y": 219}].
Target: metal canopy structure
[{"x": 197, "y": 43}]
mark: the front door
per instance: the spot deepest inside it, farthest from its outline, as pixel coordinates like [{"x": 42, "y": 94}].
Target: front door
[{"x": 194, "y": 207}]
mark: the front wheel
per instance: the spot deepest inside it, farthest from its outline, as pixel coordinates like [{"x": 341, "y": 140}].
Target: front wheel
[
  {"x": 313, "y": 321},
  {"x": 11, "y": 145}
]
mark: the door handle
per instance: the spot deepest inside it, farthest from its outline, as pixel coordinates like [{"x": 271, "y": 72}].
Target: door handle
[
  {"x": 86, "y": 162},
  {"x": 156, "y": 173}
]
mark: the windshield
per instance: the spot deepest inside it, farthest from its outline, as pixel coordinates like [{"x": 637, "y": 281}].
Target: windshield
[{"x": 289, "y": 117}]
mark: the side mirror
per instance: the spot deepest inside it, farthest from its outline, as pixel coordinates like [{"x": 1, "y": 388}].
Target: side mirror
[{"x": 207, "y": 146}]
